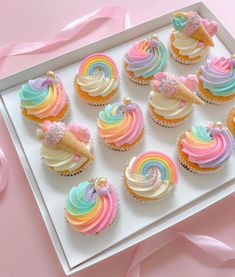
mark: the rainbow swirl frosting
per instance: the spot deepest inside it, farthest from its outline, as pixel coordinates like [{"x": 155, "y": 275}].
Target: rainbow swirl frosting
[
  {"x": 218, "y": 76},
  {"x": 91, "y": 206},
  {"x": 43, "y": 97},
  {"x": 98, "y": 75},
  {"x": 146, "y": 57},
  {"x": 208, "y": 146},
  {"x": 151, "y": 175},
  {"x": 121, "y": 124}
]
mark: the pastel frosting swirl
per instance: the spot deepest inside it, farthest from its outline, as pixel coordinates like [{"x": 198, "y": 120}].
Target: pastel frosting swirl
[
  {"x": 91, "y": 209},
  {"x": 146, "y": 57},
  {"x": 151, "y": 175},
  {"x": 43, "y": 97},
  {"x": 188, "y": 46},
  {"x": 218, "y": 76},
  {"x": 209, "y": 145},
  {"x": 98, "y": 75},
  {"x": 120, "y": 124}
]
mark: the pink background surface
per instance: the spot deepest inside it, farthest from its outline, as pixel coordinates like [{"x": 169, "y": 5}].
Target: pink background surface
[{"x": 25, "y": 247}]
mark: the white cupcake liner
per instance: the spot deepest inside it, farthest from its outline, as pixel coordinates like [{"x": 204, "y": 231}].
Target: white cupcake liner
[
  {"x": 139, "y": 82},
  {"x": 166, "y": 124},
  {"x": 99, "y": 104},
  {"x": 187, "y": 167},
  {"x": 185, "y": 62},
  {"x": 212, "y": 101}
]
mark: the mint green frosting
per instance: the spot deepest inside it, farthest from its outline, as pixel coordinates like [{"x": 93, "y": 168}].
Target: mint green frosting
[
  {"x": 31, "y": 97},
  {"x": 202, "y": 133},
  {"x": 178, "y": 22},
  {"x": 111, "y": 114},
  {"x": 80, "y": 201},
  {"x": 161, "y": 60}
]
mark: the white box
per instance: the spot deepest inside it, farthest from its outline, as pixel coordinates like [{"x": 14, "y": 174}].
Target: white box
[{"x": 136, "y": 221}]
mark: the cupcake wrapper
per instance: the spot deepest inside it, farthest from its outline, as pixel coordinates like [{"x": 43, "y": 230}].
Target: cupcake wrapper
[
  {"x": 140, "y": 198},
  {"x": 228, "y": 119},
  {"x": 184, "y": 62},
  {"x": 97, "y": 104},
  {"x": 139, "y": 82},
  {"x": 164, "y": 123},
  {"x": 188, "y": 167},
  {"x": 212, "y": 101}
]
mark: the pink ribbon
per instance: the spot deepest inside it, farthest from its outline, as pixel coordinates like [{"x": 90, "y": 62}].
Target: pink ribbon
[
  {"x": 213, "y": 247},
  {"x": 68, "y": 33},
  {"x": 4, "y": 171}
]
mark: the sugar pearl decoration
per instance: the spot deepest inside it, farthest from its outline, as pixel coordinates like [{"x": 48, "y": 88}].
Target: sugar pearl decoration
[
  {"x": 51, "y": 74},
  {"x": 101, "y": 181},
  {"x": 127, "y": 100}
]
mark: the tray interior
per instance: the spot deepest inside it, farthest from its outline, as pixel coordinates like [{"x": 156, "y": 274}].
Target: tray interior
[{"x": 133, "y": 215}]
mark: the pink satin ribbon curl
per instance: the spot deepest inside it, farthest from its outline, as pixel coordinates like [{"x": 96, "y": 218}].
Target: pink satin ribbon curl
[
  {"x": 67, "y": 33},
  {"x": 213, "y": 247},
  {"x": 4, "y": 171}
]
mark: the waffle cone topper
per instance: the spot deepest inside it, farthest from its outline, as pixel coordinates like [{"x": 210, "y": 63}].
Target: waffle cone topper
[
  {"x": 180, "y": 88},
  {"x": 191, "y": 24},
  {"x": 71, "y": 139}
]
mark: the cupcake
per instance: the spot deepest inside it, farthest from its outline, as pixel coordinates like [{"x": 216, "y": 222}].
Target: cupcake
[
  {"x": 91, "y": 206},
  {"x": 150, "y": 176},
  {"x": 191, "y": 38},
  {"x": 121, "y": 126},
  {"x": 205, "y": 148},
  {"x": 217, "y": 80},
  {"x": 230, "y": 120},
  {"x": 97, "y": 79},
  {"x": 66, "y": 151},
  {"x": 172, "y": 98},
  {"x": 144, "y": 59},
  {"x": 44, "y": 99}
]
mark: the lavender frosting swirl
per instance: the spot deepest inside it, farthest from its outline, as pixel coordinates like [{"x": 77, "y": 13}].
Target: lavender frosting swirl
[
  {"x": 146, "y": 57},
  {"x": 218, "y": 76}
]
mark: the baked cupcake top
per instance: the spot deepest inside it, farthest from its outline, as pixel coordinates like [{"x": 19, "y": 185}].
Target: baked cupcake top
[
  {"x": 192, "y": 34},
  {"x": 121, "y": 124},
  {"x": 64, "y": 149},
  {"x": 43, "y": 97},
  {"x": 208, "y": 146},
  {"x": 151, "y": 175},
  {"x": 230, "y": 120},
  {"x": 173, "y": 97},
  {"x": 91, "y": 206},
  {"x": 98, "y": 75},
  {"x": 146, "y": 57},
  {"x": 218, "y": 76}
]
